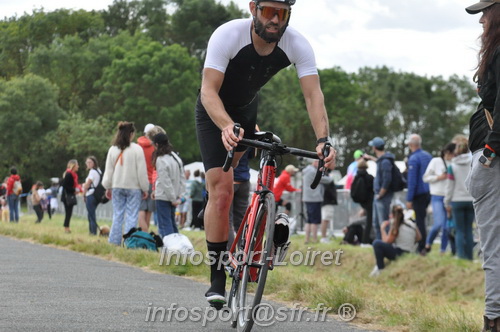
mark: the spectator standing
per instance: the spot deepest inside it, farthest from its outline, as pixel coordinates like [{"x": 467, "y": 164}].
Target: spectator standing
[
  {"x": 37, "y": 195},
  {"x": 197, "y": 200},
  {"x": 418, "y": 196},
  {"x": 282, "y": 183},
  {"x": 383, "y": 193},
  {"x": 328, "y": 207},
  {"x": 187, "y": 205},
  {"x": 313, "y": 198},
  {"x": 12, "y": 195},
  {"x": 362, "y": 192},
  {"x": 54, "y": 189},
  {"x": 126, "y": 180},
  {"x": 170, "y": 184},
  {"x": 483, "y": 181},
  {"x": 92, "y": 181},
  {"x": 458, "y": 201},
  {"x": 352, "y": 169},
  {"x": 435, "y": 175},
  {"x": 150, "y": 134},
  {"x": 147, "y": 205},
  {"x": 70, "y": 186},
  {"x": 401, "y": 239}
]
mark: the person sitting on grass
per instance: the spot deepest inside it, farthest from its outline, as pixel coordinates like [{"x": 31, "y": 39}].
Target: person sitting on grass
[{"x": 402, "y": 236}]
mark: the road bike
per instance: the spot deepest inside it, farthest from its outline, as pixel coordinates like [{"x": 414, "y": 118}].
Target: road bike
[{"x": 263, "y": 238}]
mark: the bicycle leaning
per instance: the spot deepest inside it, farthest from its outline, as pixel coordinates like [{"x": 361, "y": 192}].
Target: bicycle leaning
[{"x": 263, "y": 238}]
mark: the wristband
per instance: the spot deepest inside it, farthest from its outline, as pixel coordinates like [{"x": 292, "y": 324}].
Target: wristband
[
  {"x": 323, "y": 140},
  {"x": 489, "y": 152},
  {"x": 489, "y": 147}
]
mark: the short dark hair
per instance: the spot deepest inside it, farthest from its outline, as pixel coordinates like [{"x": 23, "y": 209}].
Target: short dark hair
[{"x": 13, "y": 171}]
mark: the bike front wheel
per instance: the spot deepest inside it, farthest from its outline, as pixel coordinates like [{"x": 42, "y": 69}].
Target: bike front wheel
[{"x": 247, "y": 292}]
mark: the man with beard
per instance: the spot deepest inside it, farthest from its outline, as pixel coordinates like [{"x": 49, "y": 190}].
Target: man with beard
[{"x": 242, "y": 56}]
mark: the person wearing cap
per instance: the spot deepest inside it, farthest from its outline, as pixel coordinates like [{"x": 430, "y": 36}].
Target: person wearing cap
[
  {"x": 418, "y": 196},
  {"x": 147, "y": 205},
  {"x": 242, "y": 56},
  {"x": 282, "y": 183},
  {"x": 353, "y": 168},
  {"x": 170, "y": 184},
  {"x": 382, "y": 184},
  {"x": 484, "y": 143}
]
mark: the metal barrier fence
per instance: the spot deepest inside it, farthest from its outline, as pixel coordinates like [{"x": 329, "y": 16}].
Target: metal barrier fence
[{"x": 343, "y": 212}]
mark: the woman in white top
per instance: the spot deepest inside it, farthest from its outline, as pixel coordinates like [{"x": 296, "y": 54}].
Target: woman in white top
[
  {"x": 458, "y": 201},
  {"x": 435, "y": 175},
  {"x": 92, "y": 181},
  {"x": 170, "y": 184},
  {"x": 126, "y": 180}
]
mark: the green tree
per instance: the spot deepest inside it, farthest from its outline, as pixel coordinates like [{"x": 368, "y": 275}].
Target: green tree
[
  {"x": 154, "y": 84},
  {"x": 195, "y": 20},
  {"x": 28, "y": 113},
  {"x": 20, "y": 36}
]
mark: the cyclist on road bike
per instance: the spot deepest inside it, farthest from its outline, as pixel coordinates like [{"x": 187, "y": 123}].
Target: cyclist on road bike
[{"x": 242, "y": 56}]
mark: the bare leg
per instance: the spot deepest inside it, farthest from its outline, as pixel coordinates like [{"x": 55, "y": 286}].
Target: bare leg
[
  {"x": 324, "y": 227},
  {"x": 143, "y": 222},
  {"x": 307, "y": 229},
  {"x": 314, "y": 230}
]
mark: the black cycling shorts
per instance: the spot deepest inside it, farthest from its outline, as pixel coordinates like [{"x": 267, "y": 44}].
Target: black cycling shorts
[{"x": 209, "y": 136}]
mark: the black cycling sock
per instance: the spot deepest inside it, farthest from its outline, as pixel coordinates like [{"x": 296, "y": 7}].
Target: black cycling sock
[{"x": 217, "y": 272}]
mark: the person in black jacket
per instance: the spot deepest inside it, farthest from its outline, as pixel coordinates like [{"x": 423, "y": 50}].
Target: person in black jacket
[
  {"x": 327, "y": 208},
  {"x": 484, "y": 143},
  {"x": 362, "y": 193},
  {"x": 70, "y": 188}
]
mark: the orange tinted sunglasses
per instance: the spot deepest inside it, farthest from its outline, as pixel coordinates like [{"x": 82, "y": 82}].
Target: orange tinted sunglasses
[{"x": 269, "y": 12}]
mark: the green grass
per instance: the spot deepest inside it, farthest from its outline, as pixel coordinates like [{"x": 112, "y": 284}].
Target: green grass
[{"x": 433, "y": 293}]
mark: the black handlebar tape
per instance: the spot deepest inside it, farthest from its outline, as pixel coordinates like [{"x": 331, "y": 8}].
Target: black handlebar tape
[{"x": 230, "y": 154}]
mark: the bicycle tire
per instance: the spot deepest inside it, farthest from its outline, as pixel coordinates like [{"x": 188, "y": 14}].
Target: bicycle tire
[{"x": 243, "y": 303}]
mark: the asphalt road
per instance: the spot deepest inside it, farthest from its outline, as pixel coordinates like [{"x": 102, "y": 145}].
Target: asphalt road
[{"x": 48, "y": 289}]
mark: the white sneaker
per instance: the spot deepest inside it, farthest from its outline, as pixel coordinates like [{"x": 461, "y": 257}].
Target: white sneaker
[
  {"x": 324, "y": 240},
  {"x": 375, "y": 272},
  {"x": 365, "y": 245}
]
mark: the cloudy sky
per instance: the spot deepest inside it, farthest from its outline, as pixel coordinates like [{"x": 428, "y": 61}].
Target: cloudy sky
[{"x": 427, "y": 37}]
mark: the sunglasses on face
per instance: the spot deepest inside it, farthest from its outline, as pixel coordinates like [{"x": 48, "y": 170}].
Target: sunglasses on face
[{"x": 269, "y": 12}]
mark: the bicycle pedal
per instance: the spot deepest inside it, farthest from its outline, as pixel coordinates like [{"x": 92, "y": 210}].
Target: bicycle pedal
[{"x": 280, "y": 252}]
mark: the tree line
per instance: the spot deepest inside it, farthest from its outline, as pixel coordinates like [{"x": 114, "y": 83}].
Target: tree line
[{"x": 67, "y": 77}]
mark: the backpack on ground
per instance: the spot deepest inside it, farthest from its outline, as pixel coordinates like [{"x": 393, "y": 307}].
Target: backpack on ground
[
  {"x": 398, "y": 182},
  {"x": 100, "y": 191},
  {"x": 137, "y": 239},
  {"x": 17, "y": 188}
]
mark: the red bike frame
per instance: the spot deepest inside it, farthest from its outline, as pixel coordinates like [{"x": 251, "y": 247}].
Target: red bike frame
[{"x": 265, "y": 183}]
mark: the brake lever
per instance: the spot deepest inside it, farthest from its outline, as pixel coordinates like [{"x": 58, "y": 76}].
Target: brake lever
[
  {"x": 320, "y": 172},
  {"x": 230, "y": 154}
]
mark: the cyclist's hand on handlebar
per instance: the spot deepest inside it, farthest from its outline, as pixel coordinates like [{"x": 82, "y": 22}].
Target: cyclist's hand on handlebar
[
  {"x": 229, "y": 139},
  {"x": 330, "y": 159}
]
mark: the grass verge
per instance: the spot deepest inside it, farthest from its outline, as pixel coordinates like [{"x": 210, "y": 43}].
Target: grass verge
[{"x": 433, "y": 293}]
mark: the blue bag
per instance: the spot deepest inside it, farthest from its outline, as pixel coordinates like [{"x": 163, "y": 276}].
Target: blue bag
[{"x": 137, "y": 239}]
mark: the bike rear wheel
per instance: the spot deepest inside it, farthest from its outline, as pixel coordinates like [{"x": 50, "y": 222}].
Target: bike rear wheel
[{"x": 246, "y": 293}]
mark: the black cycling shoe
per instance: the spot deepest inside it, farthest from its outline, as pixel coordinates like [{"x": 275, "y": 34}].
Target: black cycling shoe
[{"x": 215, "y": 300}]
